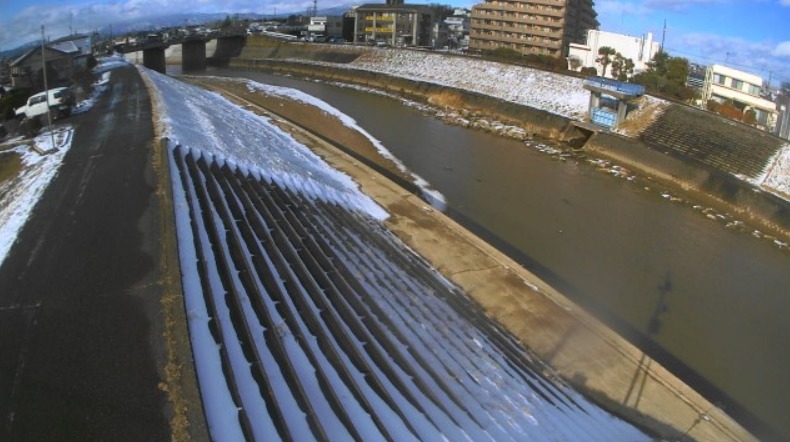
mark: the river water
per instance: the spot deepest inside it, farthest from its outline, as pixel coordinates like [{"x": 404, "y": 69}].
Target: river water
[{"x": 710, "y": 303}]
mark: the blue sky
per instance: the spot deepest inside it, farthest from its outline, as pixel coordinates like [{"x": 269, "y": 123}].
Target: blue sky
[{"x": 753, "y": 35}]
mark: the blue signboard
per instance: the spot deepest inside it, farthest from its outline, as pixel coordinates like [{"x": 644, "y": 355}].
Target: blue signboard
[
  {"x": 603, "y": 117},
  {"x": 615, "y": 86}
]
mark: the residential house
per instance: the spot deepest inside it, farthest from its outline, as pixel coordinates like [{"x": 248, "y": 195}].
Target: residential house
[
  {"x": 640, "y": 50},
  {"x": 458, "y": 27},
  {"x": 324, "y": 27},
  {"x": 63, "y": 58},
  {"x": 743, "y": 90},
  {"x": 544, "y": 27},
  {"x": 394, "y": 23}
]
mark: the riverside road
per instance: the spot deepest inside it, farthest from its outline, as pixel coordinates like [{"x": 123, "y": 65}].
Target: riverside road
[{"x": 80, "y": 330}]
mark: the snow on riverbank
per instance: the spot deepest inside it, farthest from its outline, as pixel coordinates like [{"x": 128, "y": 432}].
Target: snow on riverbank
[
  {"x": 434, "y": 196},
  {"x": 552, "y": 92},
  {"x": 777, "y": 175},
  {"x": 558, "y": 94},
  {"x": 205, "y": 120},
  {"x": 18, "y": 196}
]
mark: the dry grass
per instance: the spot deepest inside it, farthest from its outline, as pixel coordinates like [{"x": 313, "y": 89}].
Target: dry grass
[
  {"x": 10, "y": 166},
  {"x": 447, "y": 99},
  {"x": 640, "y": 119}
]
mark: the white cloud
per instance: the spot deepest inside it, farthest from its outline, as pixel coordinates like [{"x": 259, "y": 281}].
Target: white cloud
[
  {"x": 676, "y": 5},
  {"x": 783, "y": 48},
  {"x": 759, "y": 57},
  {"x": 618, "y": 8}
]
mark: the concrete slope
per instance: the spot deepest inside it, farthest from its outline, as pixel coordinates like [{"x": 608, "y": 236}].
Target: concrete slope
[{"x": 327, "y": 327}]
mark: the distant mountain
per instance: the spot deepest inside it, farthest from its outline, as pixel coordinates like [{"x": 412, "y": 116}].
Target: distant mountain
[
  {"x": 167, "y": 21},
  {"x": 16, "y": 52}
]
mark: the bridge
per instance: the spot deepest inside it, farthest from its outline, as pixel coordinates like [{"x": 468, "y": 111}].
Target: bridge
[{"x": 230, "y": 41}]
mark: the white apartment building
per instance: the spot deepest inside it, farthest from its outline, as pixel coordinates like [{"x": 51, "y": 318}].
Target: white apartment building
[
  {"x": 639, "y": 49},
  {"x": 724, "y": 84},
  {"x": 322, "y": 27}
]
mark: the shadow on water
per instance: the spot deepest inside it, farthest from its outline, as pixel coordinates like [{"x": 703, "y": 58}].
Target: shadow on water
[
  {"x": 653, "y": 328},
  {"x": 639, "y": 338}
]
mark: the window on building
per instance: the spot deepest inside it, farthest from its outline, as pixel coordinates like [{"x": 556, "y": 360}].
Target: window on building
[
  {"x": 754, "y": 90},
  {"x": 719, "y": 79},
  {"x": 737, "y": 84}
]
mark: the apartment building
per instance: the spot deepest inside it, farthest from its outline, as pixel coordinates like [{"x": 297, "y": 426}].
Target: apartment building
[
  {"x": 394, "y": 23},
  {"x": 725, "y": 84},
  {"x": 544, "y": 27}
]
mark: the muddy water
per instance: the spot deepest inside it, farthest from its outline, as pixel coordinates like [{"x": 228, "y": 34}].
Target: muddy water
[{"x": 710, "y": 303}]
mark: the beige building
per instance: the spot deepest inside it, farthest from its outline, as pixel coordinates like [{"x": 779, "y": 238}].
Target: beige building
[
  {"x": 545, "y": 27},
  {"x": 393, "y": 23},
  {"x": 725, "y": 84}
]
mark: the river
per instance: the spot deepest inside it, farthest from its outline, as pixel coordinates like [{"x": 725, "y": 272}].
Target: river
[{"x": 710, "y": 303}]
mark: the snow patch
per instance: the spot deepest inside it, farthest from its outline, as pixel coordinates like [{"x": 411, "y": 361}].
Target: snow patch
[
  {"x": 776, "y": 176},
  {"x": 206, "y": 121},
  {"x": 19, "y": 195},
  {"x": 432, "y": 195}
]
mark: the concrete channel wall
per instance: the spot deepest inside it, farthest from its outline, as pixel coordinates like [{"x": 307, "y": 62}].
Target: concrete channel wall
[
  {"x": 700, "y": 180},
  {"x": 666, "y": 406},
  {"x": 697, "y": 153}
]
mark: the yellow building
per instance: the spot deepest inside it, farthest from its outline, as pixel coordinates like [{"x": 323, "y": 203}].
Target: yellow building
[
  {"x": 544, "y": 27},
  {"x": 393, "y": 23}
]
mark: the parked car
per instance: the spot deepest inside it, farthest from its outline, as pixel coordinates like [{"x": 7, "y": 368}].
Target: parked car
[{"x": 60, "y": 102}]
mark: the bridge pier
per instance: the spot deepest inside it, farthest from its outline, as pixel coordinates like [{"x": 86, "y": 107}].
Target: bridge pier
[
  {"x": 227, "y": 48},
  {"x": 154, "y": 58},
  {"x": 193, "y": 55}
]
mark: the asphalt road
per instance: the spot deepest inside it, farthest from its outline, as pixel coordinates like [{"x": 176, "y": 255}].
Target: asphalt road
[{"x": 81, "y": 345}]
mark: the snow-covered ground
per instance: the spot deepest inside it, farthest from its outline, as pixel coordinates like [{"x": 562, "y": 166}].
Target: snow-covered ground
[
  {"x": 776, "y": 178},
  {"x": 558, "y": 94},
  {"x": 207, "y": 121},
  {"x": 309, "y": 320},
  {"x": 18, "y": 196},
  {"x": 555, "y": 93},
  {"x": 432, "y": 195}
]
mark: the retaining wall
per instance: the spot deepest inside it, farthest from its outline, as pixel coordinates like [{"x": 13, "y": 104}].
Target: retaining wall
[
  {"x": 696, "y": 177},
  {"x": 692, "y": 150}
]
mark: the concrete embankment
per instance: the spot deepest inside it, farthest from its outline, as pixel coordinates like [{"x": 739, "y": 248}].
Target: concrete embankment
[
  {"x": 701, "y": 181},
  {"x": 685, "y": 149},
  {"x": 593, "y": 358}
]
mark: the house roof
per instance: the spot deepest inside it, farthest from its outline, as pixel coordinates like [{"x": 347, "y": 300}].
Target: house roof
[
  {"x": 29, "y": 53},
  {"x": 73, "y": 44},
  {"x": 67, "y": 47}
]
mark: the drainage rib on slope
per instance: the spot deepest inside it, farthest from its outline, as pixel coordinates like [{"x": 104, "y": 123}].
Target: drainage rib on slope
[
  {"x": 291, "y": 371},
  {"x": 206, "y": 267},
  {"x": 330, "y": 328},
  {"x": 378, "y": 338}
]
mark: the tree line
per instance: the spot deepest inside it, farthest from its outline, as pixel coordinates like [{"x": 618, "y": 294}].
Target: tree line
[{"x": 665, "y": 75}]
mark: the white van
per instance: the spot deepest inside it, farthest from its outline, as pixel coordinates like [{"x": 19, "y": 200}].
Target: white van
[{"x": 60, "y": 102}]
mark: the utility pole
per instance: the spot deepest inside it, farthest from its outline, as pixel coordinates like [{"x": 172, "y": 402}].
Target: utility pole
[
  {"x": 663, "y": 35},
  {"x": 46, "y": 87}
]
